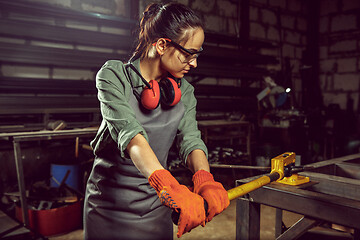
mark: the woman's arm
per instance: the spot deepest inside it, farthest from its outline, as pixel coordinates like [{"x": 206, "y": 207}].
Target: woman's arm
[
  {"x": 197, "y": 161},
  {"x": 143, "y": 156},
  {"x": 188, "y": 135}
]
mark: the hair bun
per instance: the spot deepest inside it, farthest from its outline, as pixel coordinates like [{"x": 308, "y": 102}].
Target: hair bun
[
  {"x": 159, "y": 20},
  {"x": 152, "y": 10}
]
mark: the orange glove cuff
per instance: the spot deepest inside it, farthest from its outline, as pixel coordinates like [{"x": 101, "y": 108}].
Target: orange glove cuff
[
  {"x": 161, "y": 178},
  {"x": 180, "y": 198},
  {"x": 213, "y": 192},
  {"x": 202, "y": 176}
]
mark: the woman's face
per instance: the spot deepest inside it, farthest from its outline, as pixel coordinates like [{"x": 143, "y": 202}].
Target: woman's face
[{"x": 178, "y": 62}]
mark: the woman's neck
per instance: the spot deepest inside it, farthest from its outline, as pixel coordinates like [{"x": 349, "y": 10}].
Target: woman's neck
[{"x": 150, "y": 69}]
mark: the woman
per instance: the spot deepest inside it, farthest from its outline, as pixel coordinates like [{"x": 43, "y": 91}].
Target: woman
[{"x": 130, "y": 194}]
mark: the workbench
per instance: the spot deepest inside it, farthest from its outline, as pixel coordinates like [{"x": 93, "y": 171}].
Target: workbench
[
  {"x": 331, "y": 196},
  {"x": 18, "y": 137}
]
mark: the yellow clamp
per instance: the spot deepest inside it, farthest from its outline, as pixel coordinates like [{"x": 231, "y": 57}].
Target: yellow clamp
[{"x": 278, "y": 165}]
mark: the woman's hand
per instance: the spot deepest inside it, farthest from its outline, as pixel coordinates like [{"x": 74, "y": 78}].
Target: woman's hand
[
  {"x": 189, "y": 205},
  {"x": 213, "y": 192}
]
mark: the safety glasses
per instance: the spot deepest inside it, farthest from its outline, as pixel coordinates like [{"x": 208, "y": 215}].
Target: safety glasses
[{"x": 190, "y": 55}]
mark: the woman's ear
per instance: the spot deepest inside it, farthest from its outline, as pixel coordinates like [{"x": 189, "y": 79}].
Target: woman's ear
[{"x": 161, "y": 46}]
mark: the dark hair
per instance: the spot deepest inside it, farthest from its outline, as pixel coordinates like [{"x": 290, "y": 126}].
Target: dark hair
[{"x": 164, "y": 21}]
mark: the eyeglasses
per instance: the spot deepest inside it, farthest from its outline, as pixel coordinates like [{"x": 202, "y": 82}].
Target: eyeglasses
[{"x": 190, "y": 54}]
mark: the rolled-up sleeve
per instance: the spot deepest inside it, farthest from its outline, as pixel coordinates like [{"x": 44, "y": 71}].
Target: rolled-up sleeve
[
  {"x": 189, "y": 136},
  {"x": 118, "y": 117}
]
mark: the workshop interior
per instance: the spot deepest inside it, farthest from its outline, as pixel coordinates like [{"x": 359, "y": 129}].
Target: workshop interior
[{"x": 278, "y": 106}]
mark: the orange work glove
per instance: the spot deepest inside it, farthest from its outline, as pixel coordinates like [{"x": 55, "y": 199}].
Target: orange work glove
[
  {"x": 189, "y": 205},
  {"x": 213, "y": 192}
]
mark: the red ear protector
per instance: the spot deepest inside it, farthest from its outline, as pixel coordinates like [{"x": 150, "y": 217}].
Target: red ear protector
[
  {"x": 150, "y": 96},
  {"x": 170, "y": 92},
  {"x": 167, "y": 91}
]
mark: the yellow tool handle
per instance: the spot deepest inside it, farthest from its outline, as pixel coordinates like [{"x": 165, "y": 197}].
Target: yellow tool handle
[
  {"x": 251, "y": 186},
  {"x": 239, "y": 191}
]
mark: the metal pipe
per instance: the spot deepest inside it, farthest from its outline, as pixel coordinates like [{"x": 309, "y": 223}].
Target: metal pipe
[
  {"x": 239, "y": 167},
  {"x": 21, "y": 182}
]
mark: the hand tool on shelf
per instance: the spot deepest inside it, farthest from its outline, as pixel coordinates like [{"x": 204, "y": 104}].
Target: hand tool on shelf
[{"x": 283, "y": 170}]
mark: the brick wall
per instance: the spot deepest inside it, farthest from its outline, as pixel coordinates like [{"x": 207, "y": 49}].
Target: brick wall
[
  {"x": 278, "y": 21},
  {"x": 339, "y": 52},
  {"x": 109, "y": 7},
  {"x": 283, "y": 22}
]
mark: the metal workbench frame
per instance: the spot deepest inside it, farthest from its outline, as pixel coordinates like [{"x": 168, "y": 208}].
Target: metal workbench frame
[
  {"x": 316, "y": 201},
  {"x": 18, "y": 137}
]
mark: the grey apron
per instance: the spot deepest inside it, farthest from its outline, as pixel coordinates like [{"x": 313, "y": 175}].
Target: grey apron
[{"x": 119, "y": 202}]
